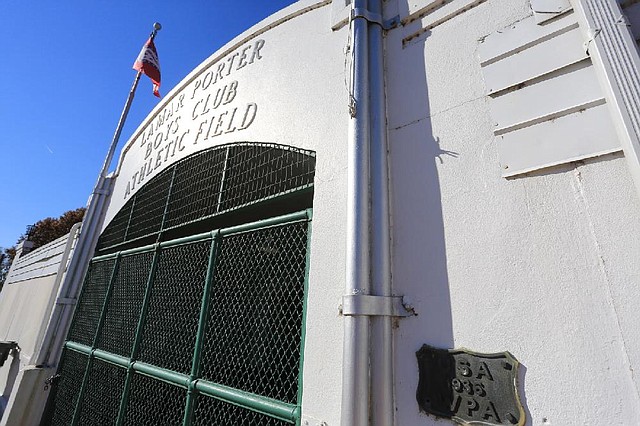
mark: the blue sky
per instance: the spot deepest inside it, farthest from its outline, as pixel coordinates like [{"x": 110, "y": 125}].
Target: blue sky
[{"x": 65, "y": 72}]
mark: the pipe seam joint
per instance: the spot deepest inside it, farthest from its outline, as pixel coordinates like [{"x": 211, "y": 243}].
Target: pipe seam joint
[{"x": 369, "y": 305}]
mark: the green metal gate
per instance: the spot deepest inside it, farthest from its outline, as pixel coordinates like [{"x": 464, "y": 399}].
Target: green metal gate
[{"x": 206, "y": 329}]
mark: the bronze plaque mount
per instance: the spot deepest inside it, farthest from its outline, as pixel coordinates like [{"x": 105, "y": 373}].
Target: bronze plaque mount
[{"x": 468, "y": 387}]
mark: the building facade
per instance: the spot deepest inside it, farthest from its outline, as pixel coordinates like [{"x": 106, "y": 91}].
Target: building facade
[{"x": 343, "y": 184}]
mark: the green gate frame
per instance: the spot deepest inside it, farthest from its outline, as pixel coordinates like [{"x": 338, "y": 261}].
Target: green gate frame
[{"x": 193, "y": 383}]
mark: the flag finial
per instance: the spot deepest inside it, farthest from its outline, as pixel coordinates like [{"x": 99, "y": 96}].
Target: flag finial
[{"x": 156, "y": 27}]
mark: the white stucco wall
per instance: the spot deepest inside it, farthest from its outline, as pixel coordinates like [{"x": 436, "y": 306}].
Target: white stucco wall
[
  {"x": 541, "y": 266},
  {"x": 22, "y": 307},
  {"x": 26, "y": 302}
]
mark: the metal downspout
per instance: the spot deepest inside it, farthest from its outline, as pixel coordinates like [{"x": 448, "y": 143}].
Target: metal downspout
[
  {"x": 355, "y": 370},
  {"x": 367, "y": 396},
  {"x": 44, "y": 338},
  {"x": 61, "y": 316},
  {"x": 382, "y": 391}
]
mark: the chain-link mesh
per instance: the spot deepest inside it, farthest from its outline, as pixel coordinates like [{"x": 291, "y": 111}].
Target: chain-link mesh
[
  {"x": 210, "y": 411},
  {"x": 252, "y": 337},
  {"x": 196, "y": 187},
  {"x": 124, "y": 305},
  {"x": 171, "y": 323},
  {"x": 71, "y": 371},
  {"x": 115, "y": 232},
  {"x": 154, "y": 403},
  {"x": 254, "y": 328},
  {"x": 255, "y": 172},
  {"x": 101, "y": 397},
  {"x": 148, "y": 210},
  {"x": 94, "y": 290},
  {"x": 208, "y": 183}
]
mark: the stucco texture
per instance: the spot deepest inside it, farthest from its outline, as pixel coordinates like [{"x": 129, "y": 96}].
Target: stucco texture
[{"x": 541, "y": 266}]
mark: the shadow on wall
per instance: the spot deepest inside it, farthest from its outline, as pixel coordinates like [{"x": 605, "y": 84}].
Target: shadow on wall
[
  {"x": 419, "y": 251},
  {"x": 420, "y": 269},
  {"x": 420, "y": 260}
]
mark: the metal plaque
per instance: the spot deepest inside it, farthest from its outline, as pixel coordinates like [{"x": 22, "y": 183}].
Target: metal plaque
[{"x": 468, "y": 387}]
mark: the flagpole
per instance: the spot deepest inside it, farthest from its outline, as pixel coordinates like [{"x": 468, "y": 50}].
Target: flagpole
[
  {"x": 48, "y": 352},
  {"x": 123, "y": 117}
]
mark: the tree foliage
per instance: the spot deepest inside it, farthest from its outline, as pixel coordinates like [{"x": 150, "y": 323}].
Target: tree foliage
[
  {"x": 41, "y": 233},
  {"x": 49, "y": 229}
]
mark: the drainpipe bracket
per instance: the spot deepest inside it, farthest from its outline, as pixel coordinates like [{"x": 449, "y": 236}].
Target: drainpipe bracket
[
  {"x": 368, "y": 305},
  {"x": 374, "y": 18}
]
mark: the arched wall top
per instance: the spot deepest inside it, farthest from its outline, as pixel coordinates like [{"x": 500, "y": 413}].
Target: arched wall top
[
  {"x": 209, "y": 183},
  {"x": 287, "y": 14},
  {"x": 279, "y": 81}
]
